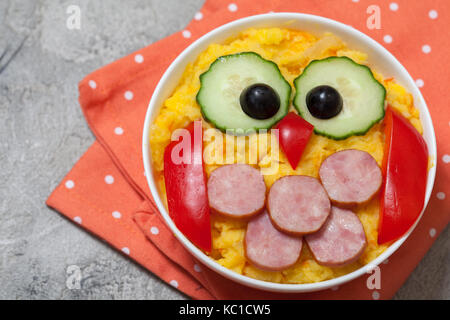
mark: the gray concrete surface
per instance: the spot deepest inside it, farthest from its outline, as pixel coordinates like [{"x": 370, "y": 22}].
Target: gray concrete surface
[{"x": 43, "y": 133}]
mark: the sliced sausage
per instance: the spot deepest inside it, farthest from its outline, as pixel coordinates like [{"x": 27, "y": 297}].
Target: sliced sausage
[
  {"x": 350, "y": 177},
  {"x": 236, "y": 190},
  {"x": 340, "y": 241},
  {"x": 269, "y": 249},
  {"x": 298, "y": 205}
]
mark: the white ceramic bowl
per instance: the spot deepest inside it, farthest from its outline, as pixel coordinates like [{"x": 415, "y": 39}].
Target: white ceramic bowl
[{"x": 379, "y": 58}]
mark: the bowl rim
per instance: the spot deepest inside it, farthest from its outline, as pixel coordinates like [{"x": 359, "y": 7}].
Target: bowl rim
[{"x": 209, "y": 262}]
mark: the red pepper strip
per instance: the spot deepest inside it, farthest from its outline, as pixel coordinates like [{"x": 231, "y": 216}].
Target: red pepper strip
[
  {"x": 185, "y": 182},
  {"x": 294, "y": 136},
  {"x": 405, "y": 169}
]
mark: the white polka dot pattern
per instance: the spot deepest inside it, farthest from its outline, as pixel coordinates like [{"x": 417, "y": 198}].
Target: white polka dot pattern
[
  {"x": 186, "y": 34},
  {"x": 426, "y": 48},
  {"x": 393, "y": 6},
  {"x": 419, "y": 83},
  {"x": 375, "y": 295},
  {"x": 387, "y": 38},
  {"x": 433, "y": 14},
  {"x": 440, "y": 195},
  {"x": 138, "y": 58},
  {"x": 109, "y": 179},
  {"x": 197, "y": 268},
  {"x": 198, "y": 16},
  {"x": 118, "y": 131},
  {"x": 446, "y": 158},
  {"x": 432, "y": 232},
  {"x": 116, "y": 214},
  {"x": 232, "y": 7},
  {"x": 69, "y": 184},
  {"x": 129, "y": 95}
]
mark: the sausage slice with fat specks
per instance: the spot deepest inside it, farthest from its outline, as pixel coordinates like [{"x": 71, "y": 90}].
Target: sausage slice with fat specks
[
  {"x": 350, "y": 177},
  {"x": 236, "y": 190},
  {"x": 298, "y": 205},
  {"x": 340, "y": 241},
  {"x": 269, "y": 249}
]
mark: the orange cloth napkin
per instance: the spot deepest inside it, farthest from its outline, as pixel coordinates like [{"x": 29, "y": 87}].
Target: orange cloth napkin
[{"x": 106, "y": 191}]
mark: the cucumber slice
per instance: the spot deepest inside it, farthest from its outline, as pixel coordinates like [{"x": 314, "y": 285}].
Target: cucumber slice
[
  {"x": 223, "y": 83},
  {"x": 363, "y": 96}
]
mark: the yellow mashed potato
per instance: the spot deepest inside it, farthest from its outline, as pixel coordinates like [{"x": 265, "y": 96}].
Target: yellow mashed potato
[{"x": 291, "y": 50}]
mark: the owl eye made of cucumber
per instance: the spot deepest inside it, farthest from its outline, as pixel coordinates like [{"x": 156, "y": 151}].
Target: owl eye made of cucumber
[
  {"x": 339, "y": 97},
  {"x": 243, "y": 92}
]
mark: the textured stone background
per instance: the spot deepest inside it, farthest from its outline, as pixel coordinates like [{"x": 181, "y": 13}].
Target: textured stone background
[{"x": 43, "y": 133}]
